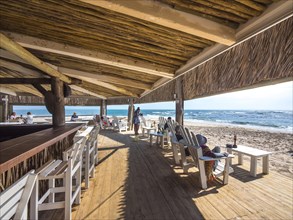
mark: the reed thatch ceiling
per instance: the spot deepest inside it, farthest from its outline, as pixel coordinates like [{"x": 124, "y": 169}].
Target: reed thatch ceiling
[{"x": 117, "y": 48}]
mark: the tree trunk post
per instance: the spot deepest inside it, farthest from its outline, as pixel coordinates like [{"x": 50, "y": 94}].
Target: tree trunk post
[
  {"x": 103, "y": 108},
  {"x": 179, "y": 100},
  {"x": 130, "y": 115},
  {"x": 59, "y": 102}
]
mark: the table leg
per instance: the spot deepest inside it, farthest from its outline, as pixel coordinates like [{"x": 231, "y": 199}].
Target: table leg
[
  {"x": 265, "y": 164},
  {"x": 143, "y": 132},
  {"x": 162, "y": 141},
  {"x": 229, "y": 150},
  {"x": 240, "y": 158},
  {"x": 151, "y": 140},
  {"x": 253, "y": 166},
  {"x": 226, "y": 171}
]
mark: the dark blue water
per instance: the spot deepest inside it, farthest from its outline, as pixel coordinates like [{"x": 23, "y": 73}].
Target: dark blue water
[{"x": 269, "y": 119}]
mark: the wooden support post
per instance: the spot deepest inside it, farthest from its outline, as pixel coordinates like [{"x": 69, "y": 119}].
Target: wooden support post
[
  {"x": 58, "y": 102},
  {"x": 4, "y": 112},
  {"x": 179, "y": 100},
  {"x": 130, "y": 114},
  {"x": 103, "y": 108}
]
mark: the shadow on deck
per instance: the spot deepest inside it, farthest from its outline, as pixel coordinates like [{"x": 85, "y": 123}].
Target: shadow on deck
[{"x": 136, "y": 181}]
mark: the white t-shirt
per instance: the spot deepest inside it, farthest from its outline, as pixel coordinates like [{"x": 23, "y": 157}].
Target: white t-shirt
[{"x": 29, "y": 119}]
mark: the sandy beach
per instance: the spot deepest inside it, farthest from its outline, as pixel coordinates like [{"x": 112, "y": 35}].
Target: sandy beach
[{"x": 279, "y": 143}]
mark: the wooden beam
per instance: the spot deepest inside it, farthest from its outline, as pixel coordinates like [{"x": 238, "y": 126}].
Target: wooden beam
[
  {"x": 7, "y": 91},
  {"x": 80, "y": 89},
  {"x": 40, "y": 88},
  {"x": 105, "y": 78},
  {"x": 23, "y": 88},
  {"x": 106, "y": 85},
  {"x": 156, "y": 12},
  {"x": 89, "y": 55},
  {"x": 19, "y": 51},
  {"x": 157, "y": 84},
  {"x": 24, "y": 81},
  {"x": 20, "y": 69}
]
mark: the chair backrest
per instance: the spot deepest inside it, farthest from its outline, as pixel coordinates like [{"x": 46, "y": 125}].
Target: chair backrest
[
  {"x": 195, "y": 149},
  {"x": 14, "y": 200},
  {"x": 77, "y": 150}
]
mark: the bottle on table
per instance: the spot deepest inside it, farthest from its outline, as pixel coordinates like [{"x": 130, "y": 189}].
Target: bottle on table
[{"x": 235, "y": 140}]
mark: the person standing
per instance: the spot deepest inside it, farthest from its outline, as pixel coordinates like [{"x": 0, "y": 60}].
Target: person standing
[{"x": 136, "y": 123}]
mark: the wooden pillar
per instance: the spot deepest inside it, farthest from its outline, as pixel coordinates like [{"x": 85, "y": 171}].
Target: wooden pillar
[
  {"x": 130, "y": 114},
  {"x": 179, "y": 100},
  {"x": 103, "y": 107},
  {"x": 58, "y": 102},
  {"x": 4, "y": 108}
]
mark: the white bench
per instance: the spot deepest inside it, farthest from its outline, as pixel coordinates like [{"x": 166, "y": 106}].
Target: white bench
[{"x": 254, "y": 154}]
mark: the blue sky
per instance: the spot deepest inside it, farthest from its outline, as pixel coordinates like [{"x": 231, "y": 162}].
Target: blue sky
[{"x": 274, "y": 97}]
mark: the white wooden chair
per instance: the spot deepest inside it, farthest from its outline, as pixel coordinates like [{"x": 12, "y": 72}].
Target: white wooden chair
[
  {"x": 14, "y": 200},
  {"x": 182, "y": 145},
  {"x": 161, "y": 123},
  {"x": 70, "y": 172},
  {"x": 90, "y": 153},
  {"x": 175, "y": 144},
  {"x": 120, "y": 125},
  {"x": 146, "y": 125},
  {"x": 197, "y": 155}
]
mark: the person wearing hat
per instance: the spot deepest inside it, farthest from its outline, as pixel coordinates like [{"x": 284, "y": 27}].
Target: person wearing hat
[{"x": 210, "y": 166}]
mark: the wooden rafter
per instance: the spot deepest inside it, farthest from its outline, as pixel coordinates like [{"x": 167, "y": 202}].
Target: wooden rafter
[
  {"x": 19, "y": 51},
  {"x": 100, "y": 83},
  {"x": 24, "y": 80},
  {"x": 27, "y": 89},
  {"x": 110, "y": 79},
  {"x": 106, "y": 85},
  {"x": 163, "y": 15},
  {"x": 19, "y": 68},
  {"x": 93, "y": 56},
  {"x": 80, "y": 89},
  {"x": 7, "y": 91}
]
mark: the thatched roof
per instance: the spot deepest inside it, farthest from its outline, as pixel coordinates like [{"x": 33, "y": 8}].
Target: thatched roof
[{"x": 121, "y": 48}]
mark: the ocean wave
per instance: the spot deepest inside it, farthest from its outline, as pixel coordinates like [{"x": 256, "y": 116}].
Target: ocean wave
[{"x": 256, "y": 124}]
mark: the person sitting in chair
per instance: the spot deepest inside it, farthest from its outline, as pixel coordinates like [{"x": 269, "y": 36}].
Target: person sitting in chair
[
  {"x": 29, "y": 118},
  {"x": 210, "y": 166},
  {"x": 74, "y": 117},
  {"x": 166, "y": 124}
]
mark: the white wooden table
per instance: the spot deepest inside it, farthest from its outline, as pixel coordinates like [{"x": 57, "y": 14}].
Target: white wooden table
[
  {"x": 159, "y": 136},
  {"x": 254, "y": 154},
  {"x": 148, "y": 129}
]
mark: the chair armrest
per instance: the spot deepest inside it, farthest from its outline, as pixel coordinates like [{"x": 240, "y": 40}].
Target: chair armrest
[{"x": 205, "y": 158}]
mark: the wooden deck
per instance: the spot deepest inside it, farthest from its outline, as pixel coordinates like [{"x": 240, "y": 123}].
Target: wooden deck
[{"x": 136, "y": 181}]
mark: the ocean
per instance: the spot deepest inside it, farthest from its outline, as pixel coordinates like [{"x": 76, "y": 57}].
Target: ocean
[{"x": 251, "y": 118}]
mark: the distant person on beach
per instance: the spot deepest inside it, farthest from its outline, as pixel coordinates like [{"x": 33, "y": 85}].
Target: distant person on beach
[
  {"x": 29, "y": 118},
  {"x": 13, "y": 115},
  {"x": 136, "y": 122},
  {"x": 74, "y": 117}
]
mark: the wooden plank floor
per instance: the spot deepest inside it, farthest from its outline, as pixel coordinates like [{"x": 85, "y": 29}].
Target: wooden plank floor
[{"x": 136, "y": 181}]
